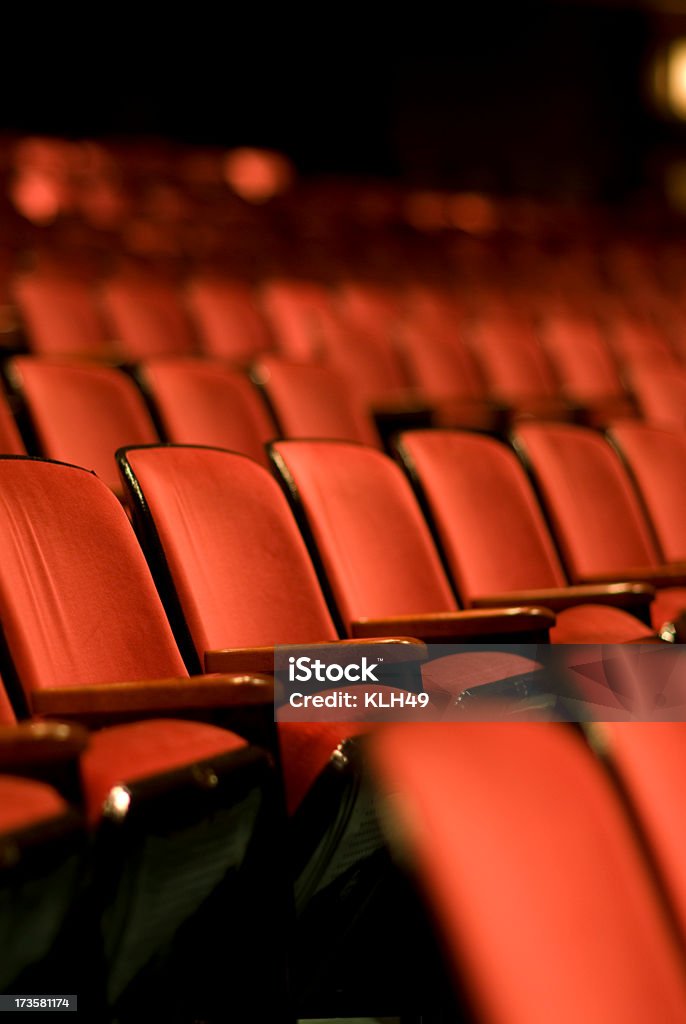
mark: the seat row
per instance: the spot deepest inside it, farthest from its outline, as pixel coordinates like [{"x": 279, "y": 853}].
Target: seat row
[
  {"x": 392, "y": 346},
  {"x": 86, "y": 639},
  {"x": 583, "y": 515}
]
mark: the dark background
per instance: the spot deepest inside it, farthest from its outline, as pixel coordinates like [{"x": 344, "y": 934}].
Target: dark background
[{"x": 548, "y": 99}]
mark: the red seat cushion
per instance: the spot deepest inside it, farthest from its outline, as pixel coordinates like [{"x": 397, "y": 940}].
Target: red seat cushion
[
  {"x": 545, "y": 904},
  {"x": 24, "y": 803},
  {"x": 127, "y": 753}
]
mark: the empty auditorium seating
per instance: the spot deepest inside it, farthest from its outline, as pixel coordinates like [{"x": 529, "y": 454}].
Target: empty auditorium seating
[
  {"x": 518, "y": 373},
  {"x": 655, "y": 456},
  {"x": 497, "y": 545},
  {"x": 146, "y": 316},
  {"x": 81, "y": 412},
  {"x": 375, "y": 551},
  {"x": 61, "y": 316},
  {"x": 229, "y": 322},
  {"x": 660, "y": 393},
  {"x": 595, "y": 514},
  {"x": 207, "y": 402},
  {"x": 311, "y": 400},
  {"x": 298, "y": 310},
  {"x": 86, "y": 638},
  {"x": 262, "y": 591},
  {"x": 585, "y": 367},
  {"x": 443, "y": 369},
  {"x": 544, "y": 901}
]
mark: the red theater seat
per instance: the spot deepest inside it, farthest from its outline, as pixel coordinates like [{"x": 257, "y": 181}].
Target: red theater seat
[
  {"x": 585, "y": 367},
  {"x": 309, "y": 400},
  {"x": 545, "y": 904},
  {"x": 85, "y": 634},
  {"x": 497, "y": 545},
  {"x": 595, "y": 514},
  {"x": 240, "y": 583},
  {"x": 229, "y": 322},
  {"x": 660, "y": 393},
  {"x": 204, "y": 402},
  {"x": 147, "y": 317},
  {"x": 656, "y": 458},
  {"x": 82, "y": 412},
  {"x": 61, "y": 316}
]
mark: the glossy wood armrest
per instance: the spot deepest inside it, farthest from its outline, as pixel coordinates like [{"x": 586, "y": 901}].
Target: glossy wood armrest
[
  {"x": 460, "y": 627},
  {"x": 635, "y": 597},
  {"x": 658, "y": 576},
  {"x": 261, "y": 659},
  {"x": 154, "y": 697},
  {"x": 37, "y": 743}
]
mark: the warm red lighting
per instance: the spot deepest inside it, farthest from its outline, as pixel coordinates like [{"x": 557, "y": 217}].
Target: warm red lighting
[
  {"x": 36, "y": 196},
  {"x": 473, "y": 213},
  {"x": 257, "y": 175},
  {"x": 426, "y": 211}
]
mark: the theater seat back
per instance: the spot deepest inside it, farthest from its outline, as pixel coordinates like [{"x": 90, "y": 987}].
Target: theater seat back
[
  {"x": 208, "y": 403},
  {"x": 657, "y": 461},
  {"x": 541, "y": 893},
  {"x": 82, "y": 412},
  {"x": 486, "y": 515},
  {"x": 77, "y": 602},
  {"x": 237, "y": 561},
  {"x": 375, "y": 547},
  {"x": 309, "y": 400},
  {"x": 593, "y": 508}
]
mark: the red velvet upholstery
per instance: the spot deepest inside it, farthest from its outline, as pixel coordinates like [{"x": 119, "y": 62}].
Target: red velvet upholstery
[
  {"x": 375, "y": 546},
  {"x": 7, "y": 716},
  {"x": 77, "y": 602},
  {"x": 307, "y": 748},
  {"x": 443, "y": 369},
  {"x": 229, "y": 323},
  {"x": 637, "y": 340},
  {"x": 128, "y": 753},
  {"x": 61, "y": 316},
  {"x": 594, "y": 510},
  {"x": 593, "y": 507},
  {"x": 493, "y": 533},
  {"x": 10, "y": 439},
  {"x": 650, "y": 761},
  {"x": 515, "y": 366},
  {"x": 657, "y": 461},
  {"x": 204, "y": 402},
  {"x": 78, "y": 606},
  {"x": 239, "y": 564},
  {"x": 486, "y": 514},
  {"x": 310, "y": 400},
  {"x": 296, "y": 310},
  {"x": 147, "y": 317},
  {"x": 440, "y": 367},
  {"x": 584, "y": 364},
  {"x": 244, "y": 578},
  {"x": 83, "y": 412},
  {"x": 545, "y": 904},
  {"x": 660, "y": 393},
  {"x": 25, "y": 803}
]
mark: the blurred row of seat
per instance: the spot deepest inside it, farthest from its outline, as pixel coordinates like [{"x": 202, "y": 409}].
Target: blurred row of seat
[
  {"x": 622, "y": 523},
  {"x": 414, "y": 345},
  {"x": 83, "y": 631}
]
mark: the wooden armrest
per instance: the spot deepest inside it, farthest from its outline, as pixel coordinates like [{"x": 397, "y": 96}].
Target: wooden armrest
[
  {"x": 153, "y": 697},
  {"x": 659, "y": 576},
  {"x": 32, "y": 743},
  {"x": 632, "y": 597},
  {"x": 261, "y": 659},
  {"x": 461, "y": 627}
]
